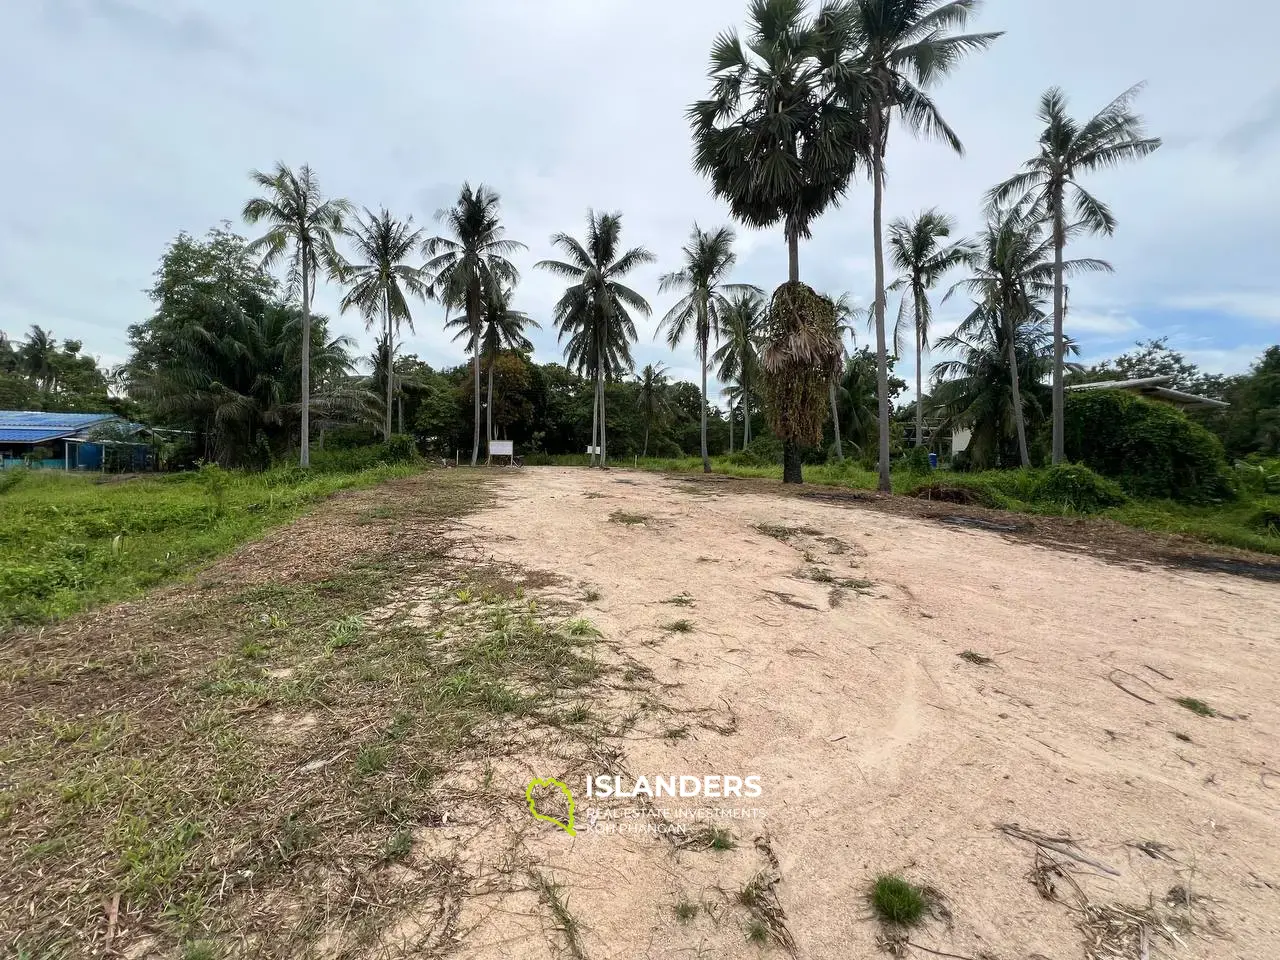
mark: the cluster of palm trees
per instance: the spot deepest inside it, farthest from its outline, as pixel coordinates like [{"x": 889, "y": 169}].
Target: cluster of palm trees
[{"x": 802, "y": 104}]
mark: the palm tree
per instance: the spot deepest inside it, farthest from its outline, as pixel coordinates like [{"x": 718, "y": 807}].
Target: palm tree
[
  {"x": 464, "y": 264},
  {"x": 38, "y": 358},
  {"x": 302, "y": 219},
  {"x": 652, "y": 384},
  {"x": 503, "y": 330},
  {"x": 903, "y": 47},
  {"x": 1067, "y": 150},
  {"x": 381, "y": 282},
  {"x": 804, "y": 350},
  {"x": 921, "y": 258},
  {"x": 1012, "y": 275},
  {"x": 738, "y": 358},
  {"x": 978, "y": 390},
  {"x": 595, "y": 311},
  {"x": 708, "y": 258},
  {"x": 847, "y": 314},
  {"x": 777, "y": 142}
]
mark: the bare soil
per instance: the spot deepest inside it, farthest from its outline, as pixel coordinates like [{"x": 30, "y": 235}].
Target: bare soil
[{"x": 825, "y": 657}]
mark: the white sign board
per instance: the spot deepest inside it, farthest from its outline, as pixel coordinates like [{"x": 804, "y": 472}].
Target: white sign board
[
  {"x": 593, "y": 451},
  {"x": 502, "y": 448}
]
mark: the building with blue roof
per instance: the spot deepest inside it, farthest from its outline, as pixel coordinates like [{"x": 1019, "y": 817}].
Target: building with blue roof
[{"x": 72, "y": 441}]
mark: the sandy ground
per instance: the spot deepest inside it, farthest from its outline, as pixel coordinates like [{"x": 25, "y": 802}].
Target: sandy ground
[{"x": 880, "y": 749}]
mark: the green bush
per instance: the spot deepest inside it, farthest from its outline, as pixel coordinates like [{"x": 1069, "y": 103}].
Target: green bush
[
  {"x": 1076, "y": 487},
  {"x": 1152, "y": 449},
  {"x": 401, "y": 448},
  {"x": 1266, "y": 519},
  {"x": 761, "y": 452},
  {"x": 915, "y": 460}
]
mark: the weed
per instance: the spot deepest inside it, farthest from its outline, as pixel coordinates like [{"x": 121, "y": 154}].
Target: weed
[
  {"x": 685, "y": 910},
  {"x": 678, "y": 626},
  {"x": 200, "y": 950},
  {"x": 581, "y": 628},
  {"x": 1181, "y": 736},
  {"x": 757, "y": 932},
  {"x": 630, "y": 519},
  {"x": 552, "y": 893},
  {"x": 398, "y": 846},
  {"x": 371, "y": 760},
  {"x": 819, "y": 575},
  {"x": 719, "y": 838},
  {"x": 591, "y": 596},
  {"x": 680, "y": 600},
  {"x": 675, "y": 734},
  {"x": 785, "y": 533},
  {"x": 1198, "y": 707},
  {"x": 896, "y": 901},
  {"x": 979, "y": 659}
]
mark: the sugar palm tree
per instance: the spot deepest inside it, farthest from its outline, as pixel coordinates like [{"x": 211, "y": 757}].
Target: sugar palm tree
[
  {"x": 1012, "y": 276},
  {"x": 381, "y": 282},
  {"x": 1050, "y": 179},
  {"x": 652, "y": 397},
  {"x": 922, "y": 258},
  {"x": 708, "y": 259},
  {"x": 777, "y": 143},
  {"x": 461, "y": 265},
  {"x": 738, "y": 359},
  {"x": 903, "y": 47},
  {"x": 504, "y": 328},
  {"x": 302, "y": 224},
  {"x": 595, "y": 311}
]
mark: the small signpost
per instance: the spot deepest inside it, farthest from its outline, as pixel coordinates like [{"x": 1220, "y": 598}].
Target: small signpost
[{"x": 503, "y": 448}]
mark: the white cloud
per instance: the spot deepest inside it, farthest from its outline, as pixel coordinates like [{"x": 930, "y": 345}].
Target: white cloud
[
  {"x": 1103, "y": 326},
  {"x": 1254, "y": 306}
]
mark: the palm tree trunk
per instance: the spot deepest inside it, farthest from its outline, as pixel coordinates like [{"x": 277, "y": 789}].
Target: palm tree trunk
[
  {"x": 835, "y": 420},
  {"x": 1019, "y": 421},
  {"x": 792, "y": 472},
  {"x": 386, "y": 326},
  {"x": 475, "y": 363},
  {"x": 595, "y": 422},
  {"x": 731, "y": 416},
  {"x": 793, "y": 256},
  {"x": 746, "y": 419},
  {"x": 919, "y": 379},
  {"x": 645, "y": 452},
  {"x": 305, "y": 454},
  {"x": 488, "y": 414},
  {"x": 1059, "y": 241},
  {"x": 882, "y": 358},
  {"x": 604, "y": 436},
  {"x": 706, "y": 460}
]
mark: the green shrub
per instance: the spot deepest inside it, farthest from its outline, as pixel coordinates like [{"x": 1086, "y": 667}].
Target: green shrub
[
  {"x": 1076, "y": 487},
  {"x": 915, "y": 460},
  {"x": 401, "y": 448},
  {"x": 1152, "y": 449},
  {"x": 1266, "y": 519},
  {"x": 761, "y": 452}
]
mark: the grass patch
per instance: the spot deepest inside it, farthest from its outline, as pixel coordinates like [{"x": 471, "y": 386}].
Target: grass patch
[
  {"x": 553, "y": 895},
  {"x": 978, "y": 659},
  {"x": 685, "y": 910},
  {"x": 896, "y": 901},
  {"x": 678, "y": 626},
  {"x": 785, "y": 534},
  {"x": 629, "y": 519},
  {"x": 1198, "y": 707},
  {"x": 680, "y": 600}
]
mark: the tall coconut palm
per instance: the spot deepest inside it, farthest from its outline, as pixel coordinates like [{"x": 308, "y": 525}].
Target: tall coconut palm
[
  {"x": 652, "y": 397},
  {"x": 303, "y": 224},
  {"x": 504, "y": 328},
  {"x": 1050, "y": 179},
  {"x": 595, "y": 311},
  {"x": 1012, "y": 276},
  {"x": 903, "y": 47},
  {"x": 922, "y": 258},
  {"x": 380, "y": 282},
  {"x": 738, "y": 359},
  {"x": 708, "y": 259},
  {"x": 461, "y": 266},
  {"x": 776, "y": 141},
  {"x": 38, "y": 357}
]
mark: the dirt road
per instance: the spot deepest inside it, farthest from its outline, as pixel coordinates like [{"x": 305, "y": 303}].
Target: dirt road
[{"x": 840, "y": 655}]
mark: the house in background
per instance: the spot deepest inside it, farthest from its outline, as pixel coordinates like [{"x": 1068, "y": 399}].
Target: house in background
[
  {"x": 1155, "y": 388},
  {"x": 73, "y": 441}
]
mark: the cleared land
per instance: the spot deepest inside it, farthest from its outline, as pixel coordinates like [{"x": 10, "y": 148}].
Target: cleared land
[{"x": 323, "y": 749}]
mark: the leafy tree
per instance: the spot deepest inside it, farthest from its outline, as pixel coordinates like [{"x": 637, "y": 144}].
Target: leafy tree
[
  {"x": 1051, "y": 180},
  {"x": 301, "y": 218},
  {"x": 857, "y": 398},
  {"x": 1012, "y": 274},
  {"x": 903, "y": 47},
  {"x": 708, "y": 259},
  {"x": 803, "y": 351},
  {"x": 1251, "y": 425},
  {"x": 738, "y": 358},
  {"x": 595, "y": 311},
  {"x": 1155, "y": 358},
  {"x": 921, "y": 257},
  {"x": 464, "y": 264},
  {"x": 652, "y": 382},
  {"x": 380, "y": 282}
]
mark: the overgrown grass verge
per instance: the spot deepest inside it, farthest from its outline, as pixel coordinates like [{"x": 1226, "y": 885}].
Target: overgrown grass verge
[
  {"x": 254, "y": 765},
  {"x": 72, "y": 541},
  {"x": 1243, "y": 523}
]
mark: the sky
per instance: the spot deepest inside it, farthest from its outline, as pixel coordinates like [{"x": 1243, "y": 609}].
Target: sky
[{"x": 132, "y": 120}]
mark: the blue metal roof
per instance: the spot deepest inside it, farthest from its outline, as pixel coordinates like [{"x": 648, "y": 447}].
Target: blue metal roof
[{"x": 35, "y": 426}]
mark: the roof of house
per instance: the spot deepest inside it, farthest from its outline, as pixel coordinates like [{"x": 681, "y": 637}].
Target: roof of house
[
  {"x": 36, "y": 426},
  {"x": 1155, "y": 387}
]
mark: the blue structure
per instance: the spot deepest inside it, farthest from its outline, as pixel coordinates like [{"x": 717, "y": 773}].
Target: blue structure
[{"x": 71, "y": 441}]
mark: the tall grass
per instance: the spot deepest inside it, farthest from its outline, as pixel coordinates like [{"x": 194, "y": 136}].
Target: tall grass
[{"x": 71, "y": 541}]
